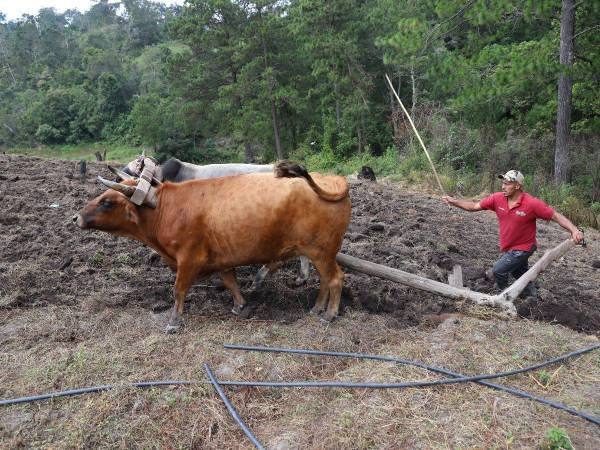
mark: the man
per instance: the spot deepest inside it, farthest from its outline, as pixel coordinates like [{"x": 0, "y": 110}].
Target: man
[{"x": 517, "y": 212}]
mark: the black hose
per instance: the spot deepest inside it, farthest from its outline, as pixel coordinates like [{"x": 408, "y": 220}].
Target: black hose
[
  {"x": 90, "y": 390},
  {"x": 459, "y": 378},
  {"x": 462, "y": 378},
  {"x": 231, "y": 409}
]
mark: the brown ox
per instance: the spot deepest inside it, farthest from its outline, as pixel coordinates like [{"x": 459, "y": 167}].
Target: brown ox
[{"x": 205, "y": 226}]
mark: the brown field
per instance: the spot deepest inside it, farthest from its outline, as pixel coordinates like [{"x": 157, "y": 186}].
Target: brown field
[{"x": 84, "y": 308}]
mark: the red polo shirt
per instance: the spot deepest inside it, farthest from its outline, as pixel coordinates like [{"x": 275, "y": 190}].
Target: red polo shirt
[{"x": 517, "y": 224}]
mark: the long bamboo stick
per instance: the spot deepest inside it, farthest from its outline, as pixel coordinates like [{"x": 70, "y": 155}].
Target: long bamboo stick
[{"x": 417, "y": 133}]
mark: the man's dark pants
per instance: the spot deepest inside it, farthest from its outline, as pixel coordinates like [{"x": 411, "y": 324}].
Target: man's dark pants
[{"x": 514, "y": 262}]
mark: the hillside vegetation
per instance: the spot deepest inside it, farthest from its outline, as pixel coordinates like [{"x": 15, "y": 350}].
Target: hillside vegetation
[{"x": 226, "y": 80}]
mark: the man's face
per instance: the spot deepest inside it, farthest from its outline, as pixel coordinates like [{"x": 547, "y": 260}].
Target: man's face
[{"x": 510, "y": 187}]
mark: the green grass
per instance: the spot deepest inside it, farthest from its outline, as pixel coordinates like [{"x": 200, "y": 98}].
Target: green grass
[{"x": 114, "y": 152}]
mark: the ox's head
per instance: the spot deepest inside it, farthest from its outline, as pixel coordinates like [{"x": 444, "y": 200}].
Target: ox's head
[{"x": 111, "y": 211}]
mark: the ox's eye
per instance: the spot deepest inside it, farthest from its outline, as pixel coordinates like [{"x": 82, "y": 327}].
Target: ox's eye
[{"x": 106, "y": 204}]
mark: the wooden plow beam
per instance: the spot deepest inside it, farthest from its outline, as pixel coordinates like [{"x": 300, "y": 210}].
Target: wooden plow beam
[{"x": 503, "y": 300}]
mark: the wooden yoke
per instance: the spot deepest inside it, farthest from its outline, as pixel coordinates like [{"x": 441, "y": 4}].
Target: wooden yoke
[{"x": 144, "y": 192}]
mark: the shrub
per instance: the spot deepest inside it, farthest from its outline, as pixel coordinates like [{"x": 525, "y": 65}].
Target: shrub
[
  {"x": 556, "y": 439},
  {"x": 47, "y": 134}
]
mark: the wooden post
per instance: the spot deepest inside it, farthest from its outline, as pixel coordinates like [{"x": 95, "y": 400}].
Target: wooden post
[
  {"x": 82, "y": 169},
  {"x": 455, "y": 278}
]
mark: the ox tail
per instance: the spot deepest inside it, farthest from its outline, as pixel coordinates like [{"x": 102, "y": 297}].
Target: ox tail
[{"x": 288, "y": 169}]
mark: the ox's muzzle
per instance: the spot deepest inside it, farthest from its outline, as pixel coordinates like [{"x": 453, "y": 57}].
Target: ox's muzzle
[{"x": 78, "y": 220}]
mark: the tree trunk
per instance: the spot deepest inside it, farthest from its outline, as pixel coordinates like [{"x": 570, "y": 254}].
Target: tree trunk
[
  {"x": 271, "y": 82},
  {"x": 565, "y": 88},
  {"x": 338, "y": 108},
  {"x": 360, "y": 138},
  {"x": 414, "y": 90},
  {"x": 7, "y": 62},
  {"x": 248, "y": 153},
  {"x": 276, "y": 130},
  {"x": 394, "y": 109},
  {"x": 294, "y": 133}
]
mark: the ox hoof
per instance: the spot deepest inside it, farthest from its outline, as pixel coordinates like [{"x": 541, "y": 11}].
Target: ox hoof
[
  {"x": 172, "y": 329},
  {"x": 316, "y": 311},
  {"x": 239, "y": 310},
  {"x": 299, "y": 281},
  {"x": 328, "y": 317}
]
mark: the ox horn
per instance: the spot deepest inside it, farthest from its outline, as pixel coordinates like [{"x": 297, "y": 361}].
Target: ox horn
[
  {"x": 144, "y": 153},
  {"x": 122, "y": 175},
  {"x": 122, "y": 188}
]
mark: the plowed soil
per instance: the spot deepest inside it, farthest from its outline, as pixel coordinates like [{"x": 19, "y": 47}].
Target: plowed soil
[
  {"x": 83, "y": 308},
  {"x": 46, "y": 260}
]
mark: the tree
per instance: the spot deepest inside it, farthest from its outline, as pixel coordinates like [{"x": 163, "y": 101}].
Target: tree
[
  {"x": 565, "y": 92},
  {"x": 150, "y": 120},
  {"x": 334, "y": 34}
]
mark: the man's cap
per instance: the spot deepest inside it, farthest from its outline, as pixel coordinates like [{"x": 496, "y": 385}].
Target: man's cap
[{"x": 513, "y": 175}]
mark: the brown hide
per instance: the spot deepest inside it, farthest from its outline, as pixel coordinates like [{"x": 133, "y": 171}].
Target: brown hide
[
  {"x": 215, "y": 225},
  {"x": 247, "y": 219}
]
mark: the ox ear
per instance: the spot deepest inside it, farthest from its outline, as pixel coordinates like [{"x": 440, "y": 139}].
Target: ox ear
[
  {"x": 132, "y": 214},
  {"x": 122, "y": 188},
  {"x": 122, "y": 175}
]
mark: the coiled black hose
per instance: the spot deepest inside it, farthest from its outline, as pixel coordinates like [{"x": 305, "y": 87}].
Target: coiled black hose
[{"x": 457, "y": 377}]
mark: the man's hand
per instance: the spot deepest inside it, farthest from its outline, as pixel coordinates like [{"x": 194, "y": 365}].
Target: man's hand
[
  {"x": 577, "y": 236},
  {"x": 462, "y": 204},
  {"x": 576, "y": 233},
  {"x": 448, "y": 200}
]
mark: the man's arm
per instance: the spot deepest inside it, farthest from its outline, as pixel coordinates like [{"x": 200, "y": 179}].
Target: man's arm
[
  {"x": 462, "y": 204},
  {"x": 576, "y": 235}
]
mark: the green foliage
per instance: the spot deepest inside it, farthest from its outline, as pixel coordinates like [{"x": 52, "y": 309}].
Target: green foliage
[
  {"x": 219, "y": 80},
  {"x": 124, "y": 258},
  {"x": 557, "y": 439},
  {"x": 47, "y": 134},
  {"x": 97, "y": 259},
  {"x": 151, "y": 120},
  {"x": 544, "y": 377}
]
